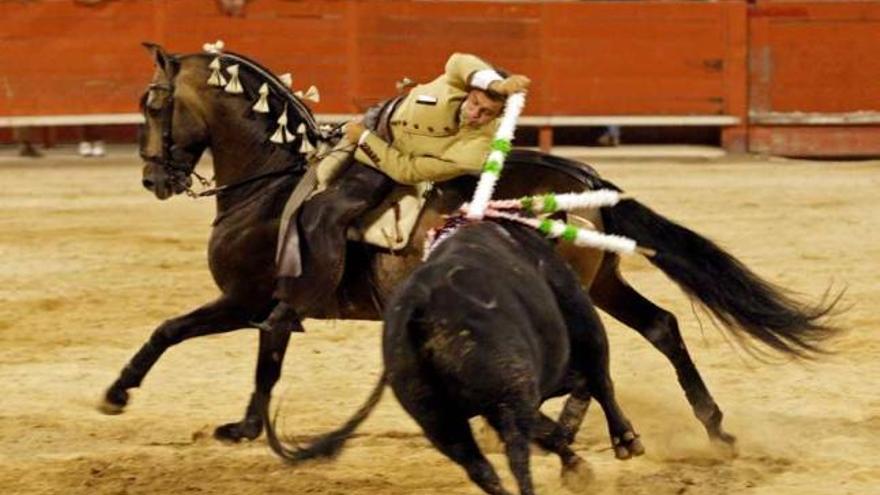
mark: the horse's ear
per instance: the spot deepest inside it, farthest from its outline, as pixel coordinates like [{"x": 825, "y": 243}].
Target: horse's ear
[{"x": 163, "y": 60}]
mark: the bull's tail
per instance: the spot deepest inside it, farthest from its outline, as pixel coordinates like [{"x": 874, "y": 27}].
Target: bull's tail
[
  {"x": 329, "y": 444},
  {"x": 739, "y": 299}
]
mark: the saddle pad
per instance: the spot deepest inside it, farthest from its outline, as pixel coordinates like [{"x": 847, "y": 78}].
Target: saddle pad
[{"x": 391, "y": 224}]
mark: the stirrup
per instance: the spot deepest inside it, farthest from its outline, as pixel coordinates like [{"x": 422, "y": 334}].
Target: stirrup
[{"x": 283, "y": 318}]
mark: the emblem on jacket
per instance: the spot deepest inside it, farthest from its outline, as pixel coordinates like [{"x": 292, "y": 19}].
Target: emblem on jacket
[{"x": 426, "y": 100}]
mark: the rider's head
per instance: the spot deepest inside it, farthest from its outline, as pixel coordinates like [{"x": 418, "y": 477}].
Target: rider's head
[{"x": 481, "y": 107}]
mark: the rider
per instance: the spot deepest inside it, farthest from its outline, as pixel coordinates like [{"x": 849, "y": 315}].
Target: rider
[{"x": 439, "y": 131}]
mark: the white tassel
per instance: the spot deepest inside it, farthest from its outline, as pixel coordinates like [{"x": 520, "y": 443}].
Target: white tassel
[
  {"x": 234, "y": 85},
  {"x": 305, "y": 147},
  {"x": 282, "y": 135},
  {"x": 262, "y": 105},
  {"x": 216, "y": 78},
  {"x": 287, "y": 79},
  {"x": 214, "y": 48},
  {"x": 312, "y": 94}
]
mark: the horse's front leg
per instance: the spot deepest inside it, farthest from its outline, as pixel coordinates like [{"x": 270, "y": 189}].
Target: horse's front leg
[
  {"x": 218, "y": 316},
  {"x": 273, "y": 345}
]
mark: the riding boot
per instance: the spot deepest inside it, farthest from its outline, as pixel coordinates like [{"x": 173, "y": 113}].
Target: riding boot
[{"x": 283, "y": 318}]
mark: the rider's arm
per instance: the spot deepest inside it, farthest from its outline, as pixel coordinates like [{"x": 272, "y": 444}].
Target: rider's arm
[
  {"x": 463, "y": 157},
  {"x": 464, "y": 71}
]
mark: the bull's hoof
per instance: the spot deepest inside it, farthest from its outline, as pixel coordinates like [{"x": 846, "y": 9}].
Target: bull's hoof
[
  {"x": 627, "y": 445},
  {"x": 577, "y": 473},
  {"x": 248, "y": 429},
  {"x": 114, "y": 401}
]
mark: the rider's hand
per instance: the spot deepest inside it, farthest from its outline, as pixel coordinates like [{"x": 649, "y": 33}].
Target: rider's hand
[
  {"x": 511, "y": 85},
  {"x": 353, "y": 130}
]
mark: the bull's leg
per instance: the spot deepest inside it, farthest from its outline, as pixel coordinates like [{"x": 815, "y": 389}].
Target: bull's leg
[
  {"x": 514, "y": 424},
  {"x": 573, "y": 412},
  {"x": 219, "y": 316},
  {"x": 589, "y": 358},
  {"x": 451, "y": 434},
  {"x": 445, "y": 426},
  {"x": 553, "y": 437},
  {"x": 611, "y": 293},
  {"x": 273, "y": 346}
]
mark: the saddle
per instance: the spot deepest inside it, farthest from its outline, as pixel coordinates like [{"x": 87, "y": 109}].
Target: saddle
[{"x": 388, "y": 226}]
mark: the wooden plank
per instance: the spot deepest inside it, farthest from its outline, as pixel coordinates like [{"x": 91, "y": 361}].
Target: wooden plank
[{"x": 815, "y": 140}]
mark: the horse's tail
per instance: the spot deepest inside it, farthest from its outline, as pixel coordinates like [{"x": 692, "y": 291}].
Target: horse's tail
[
  {"x": 329, "y": 444},
  {"x": 736, "y": 296}
]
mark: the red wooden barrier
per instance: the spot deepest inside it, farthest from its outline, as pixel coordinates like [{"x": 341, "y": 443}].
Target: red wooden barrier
[
  {"x": 814, "y": 75},
  {"x": 611, "y": 58}
]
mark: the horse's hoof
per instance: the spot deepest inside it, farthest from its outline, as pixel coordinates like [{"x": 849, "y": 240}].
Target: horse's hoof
[
  {"x": 577, "y": 473},
  {"x": 725, "y": 443},
  {"x": 627, "y": 446},
  {"x": 114, "y": 402},
  {"x": 236, "y": 432}
]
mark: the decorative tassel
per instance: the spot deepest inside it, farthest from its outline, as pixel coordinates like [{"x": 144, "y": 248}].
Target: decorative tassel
[
  {"x": 262, "y": 105},
  {"x": 282, "y": 135},
  {"x": 215, "y": 48},
  {"x": 287, "y": 79},
  {"x": 312, "y": 94},
  {"x": 216, "y": 78},
  {"x": 234, "y": 85},
  {"x": 305, "y": 147}
]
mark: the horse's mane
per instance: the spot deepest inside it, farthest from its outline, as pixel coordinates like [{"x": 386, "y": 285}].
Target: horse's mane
[{"x": 255, "y": 70}]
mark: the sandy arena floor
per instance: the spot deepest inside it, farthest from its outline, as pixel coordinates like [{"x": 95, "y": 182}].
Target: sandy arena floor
[{"x": 91, "y": 263}]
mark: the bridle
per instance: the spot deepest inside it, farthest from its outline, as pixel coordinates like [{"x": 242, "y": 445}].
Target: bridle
[{"x": 180, "y": 171}]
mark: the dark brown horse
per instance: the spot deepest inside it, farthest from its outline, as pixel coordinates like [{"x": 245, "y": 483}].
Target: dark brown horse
[{"x": 185, "y": 116}]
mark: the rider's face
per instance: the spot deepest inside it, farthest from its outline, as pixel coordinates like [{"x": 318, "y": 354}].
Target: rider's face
[{"x": 478, "y": 109}]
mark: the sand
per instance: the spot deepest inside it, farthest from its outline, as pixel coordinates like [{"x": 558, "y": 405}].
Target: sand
[{"x": 91, "y": 263}]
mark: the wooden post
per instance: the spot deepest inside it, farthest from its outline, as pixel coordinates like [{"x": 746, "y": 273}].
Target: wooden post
[{"x": 545, "y": 138}]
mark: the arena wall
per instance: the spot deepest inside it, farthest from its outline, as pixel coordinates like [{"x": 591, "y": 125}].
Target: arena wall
[{"x": 615, "y": 59}]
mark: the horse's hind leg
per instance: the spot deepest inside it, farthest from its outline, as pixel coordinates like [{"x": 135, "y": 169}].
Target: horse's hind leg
[
  {"x": 660, "y": 327},
  {"x": 215, "y": 317},
  {"x": 273, "y": 346}
]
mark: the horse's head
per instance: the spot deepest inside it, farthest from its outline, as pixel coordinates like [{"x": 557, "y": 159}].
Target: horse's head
[{"x": 175, "y": 130}]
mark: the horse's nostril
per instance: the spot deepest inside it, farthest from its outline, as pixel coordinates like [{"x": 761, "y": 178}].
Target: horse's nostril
[{"x": 148, "y": 184}]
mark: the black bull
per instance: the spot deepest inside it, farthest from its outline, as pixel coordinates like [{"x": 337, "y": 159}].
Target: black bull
[{"x": 492, "y": 324}]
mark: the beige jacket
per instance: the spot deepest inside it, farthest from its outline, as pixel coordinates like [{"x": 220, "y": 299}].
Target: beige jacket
[{"x": 428, "y": 143}]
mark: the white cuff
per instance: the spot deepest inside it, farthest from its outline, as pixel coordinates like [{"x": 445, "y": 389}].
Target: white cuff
[
  {"x": 363, "y": 136},
  {"x": 483, "y": 78}
]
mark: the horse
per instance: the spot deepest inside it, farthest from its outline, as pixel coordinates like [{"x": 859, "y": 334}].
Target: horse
[
  {"x": 491, "y": 324},
  {"x": 186, "y": 112}
]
